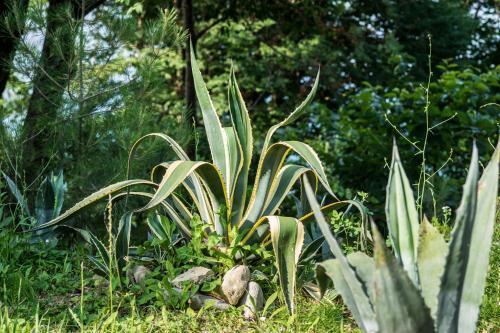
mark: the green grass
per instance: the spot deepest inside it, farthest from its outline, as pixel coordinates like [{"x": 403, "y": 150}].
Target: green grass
[{"x": 41, "y": 292}]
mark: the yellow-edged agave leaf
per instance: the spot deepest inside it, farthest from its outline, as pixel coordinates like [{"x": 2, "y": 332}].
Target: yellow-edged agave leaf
[
  {"x": 241, "y": 123},
  {"x": 287, "y": 235},
  {"x": 181, "y": 217},
  {"x": 123, "y": 238},
  {"x": 348, "y": 284},
  {"x": 96, "y": 196},
  {"x": 298, "y": 112},
  {"x": 283, "y": 183},
  {"x": 192, "y": 183},
  {"x": 177, "y": 172},
  {"x": 480, "y": 245},
  {"x": 217, "y": 138},
  {"x": 402, "y": 217},
  {"x": 235, "y": 158},
  {"x": 271, "y": 166},
  {"x": 431, "y": 258},
  {"x": 452, "y": 282},
  {"x": 257, "y": 198},
  {"x": 399, "y": 307}
]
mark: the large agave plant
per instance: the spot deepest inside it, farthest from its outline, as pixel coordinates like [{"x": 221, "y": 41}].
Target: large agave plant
[
  {"x": 218, "y": 189},
  {"x": 428, "y": 285}
]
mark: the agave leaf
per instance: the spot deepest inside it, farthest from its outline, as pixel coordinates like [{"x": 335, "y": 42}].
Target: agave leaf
[
  {"x": 102, "y": 193},
  {"x": 192, "y": 183},
  {"x": 346, "y": 281},
  {"x": 432, "y": 251},
  {"x": 59, "y": 188},
  {"x": 241, "y": 123},
  {"x": 158, "y": 227},
  {"x": 398, "y": 304},
  {"x": 402, "y": 217},
  {"x": 175, "y": 174},
  {"x": 44, "y": 202},
  {"x": 217, "y": 138},
  {"x": 21, "y": 200},
  {"x": 287, "y": 234},
  {"x": 235, "y": 158},
  {"x": 480, "y": 245},
  {"x": 102, "y": 260},
  {"x": 267, "y": 179},
  {"x": 298, "y": 112},
  {"x": 123, "y": 238},
  {"x": 174, "y": 211},
  {"x": 452, "y": 282},
  {"x": 311, "y": 249},
  {"x": 283, "y": 183}
]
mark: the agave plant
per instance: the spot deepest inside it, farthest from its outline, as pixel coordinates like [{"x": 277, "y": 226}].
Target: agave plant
[
  {"x": 428, "y": 285},
  {"x": 218, "y": 188},
  {"x": 48, "y": 202}
]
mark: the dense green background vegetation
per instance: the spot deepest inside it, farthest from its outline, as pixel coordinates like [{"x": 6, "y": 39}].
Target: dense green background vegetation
[{"x": 82, "y": 80}]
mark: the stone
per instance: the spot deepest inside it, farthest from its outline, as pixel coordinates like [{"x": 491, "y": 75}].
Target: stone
[
  {"x": 196, "y": 275},
  {"x": 198, "y": 301},
  {"x": 139, "y": 273},
  {"x": 234, "y": 283},
  {"x": 252, "y": 300}
]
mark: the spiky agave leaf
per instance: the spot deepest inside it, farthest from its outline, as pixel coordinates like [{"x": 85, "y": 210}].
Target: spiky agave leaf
[
  {"x": 241, "y": 123},
  {"x": 480, "y": 246},
  {"x": 287, "y": 234},
  {"x": 192, "y": 183},
  {"x": 431, "y": 258},
  {"x": 402, "y": 217},
  {"x": 399, "y": 307},
  {"x": 94, "y": 197},
  {"x": 452, "y": 283},
  {"x": 345, "y": 278}
]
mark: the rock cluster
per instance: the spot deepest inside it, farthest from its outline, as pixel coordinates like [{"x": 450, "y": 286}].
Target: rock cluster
[{"x": 236, "y": 288}]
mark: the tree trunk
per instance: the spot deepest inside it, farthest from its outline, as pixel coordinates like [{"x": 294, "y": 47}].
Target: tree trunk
[
  {"x": 12, "y": 21},
  {"x": 51, "y": 79}
]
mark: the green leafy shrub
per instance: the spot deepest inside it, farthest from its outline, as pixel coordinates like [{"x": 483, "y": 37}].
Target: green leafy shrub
[{"x": 428, "y": 285}]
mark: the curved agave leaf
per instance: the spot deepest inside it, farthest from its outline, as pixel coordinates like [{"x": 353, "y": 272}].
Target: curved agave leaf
[
  {"x": 298, "y": 112},
  {"x": 178, "y": 171},
  {"x": 480, "y": 245},
  {"x": 241, "y": 123},
  {"x": 287, "y": 235},
  {"x": 235, "y": 158},
  {"x": 348, "y": 284},
  {"x": 123, "y": 239},
  {"x": 402, "y": 217},
  {"x": 217, "y": 138},
  {"x": 263, "y": 175},
  {"x": 271, "y": 166},
  {"x": 21, "y": 200},
  {"x": 399, "y": 307},
  {"x": 192, "y": 183},
  {"x": 94, "y": 197},
  {"x": 283, "y": 183},
  {"x": 452, "y": 282},
  {"x": 175, "y": 209},
  {"x": 431, "y": 258}
]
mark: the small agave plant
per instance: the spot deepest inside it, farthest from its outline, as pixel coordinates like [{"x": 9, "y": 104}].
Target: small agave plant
[
  {"x": 218, "y": 189},
  {"x": 428, "y": 285}
]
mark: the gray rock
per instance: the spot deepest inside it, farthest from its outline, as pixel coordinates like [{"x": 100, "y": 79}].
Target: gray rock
[
  {"x": 196, "y": 275},
  {"x": 198, "y": 301},
  {"x": 139, "y": 273},
  {"x": 234, "y": 283},
  {"x": 253, "y": 300}
]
